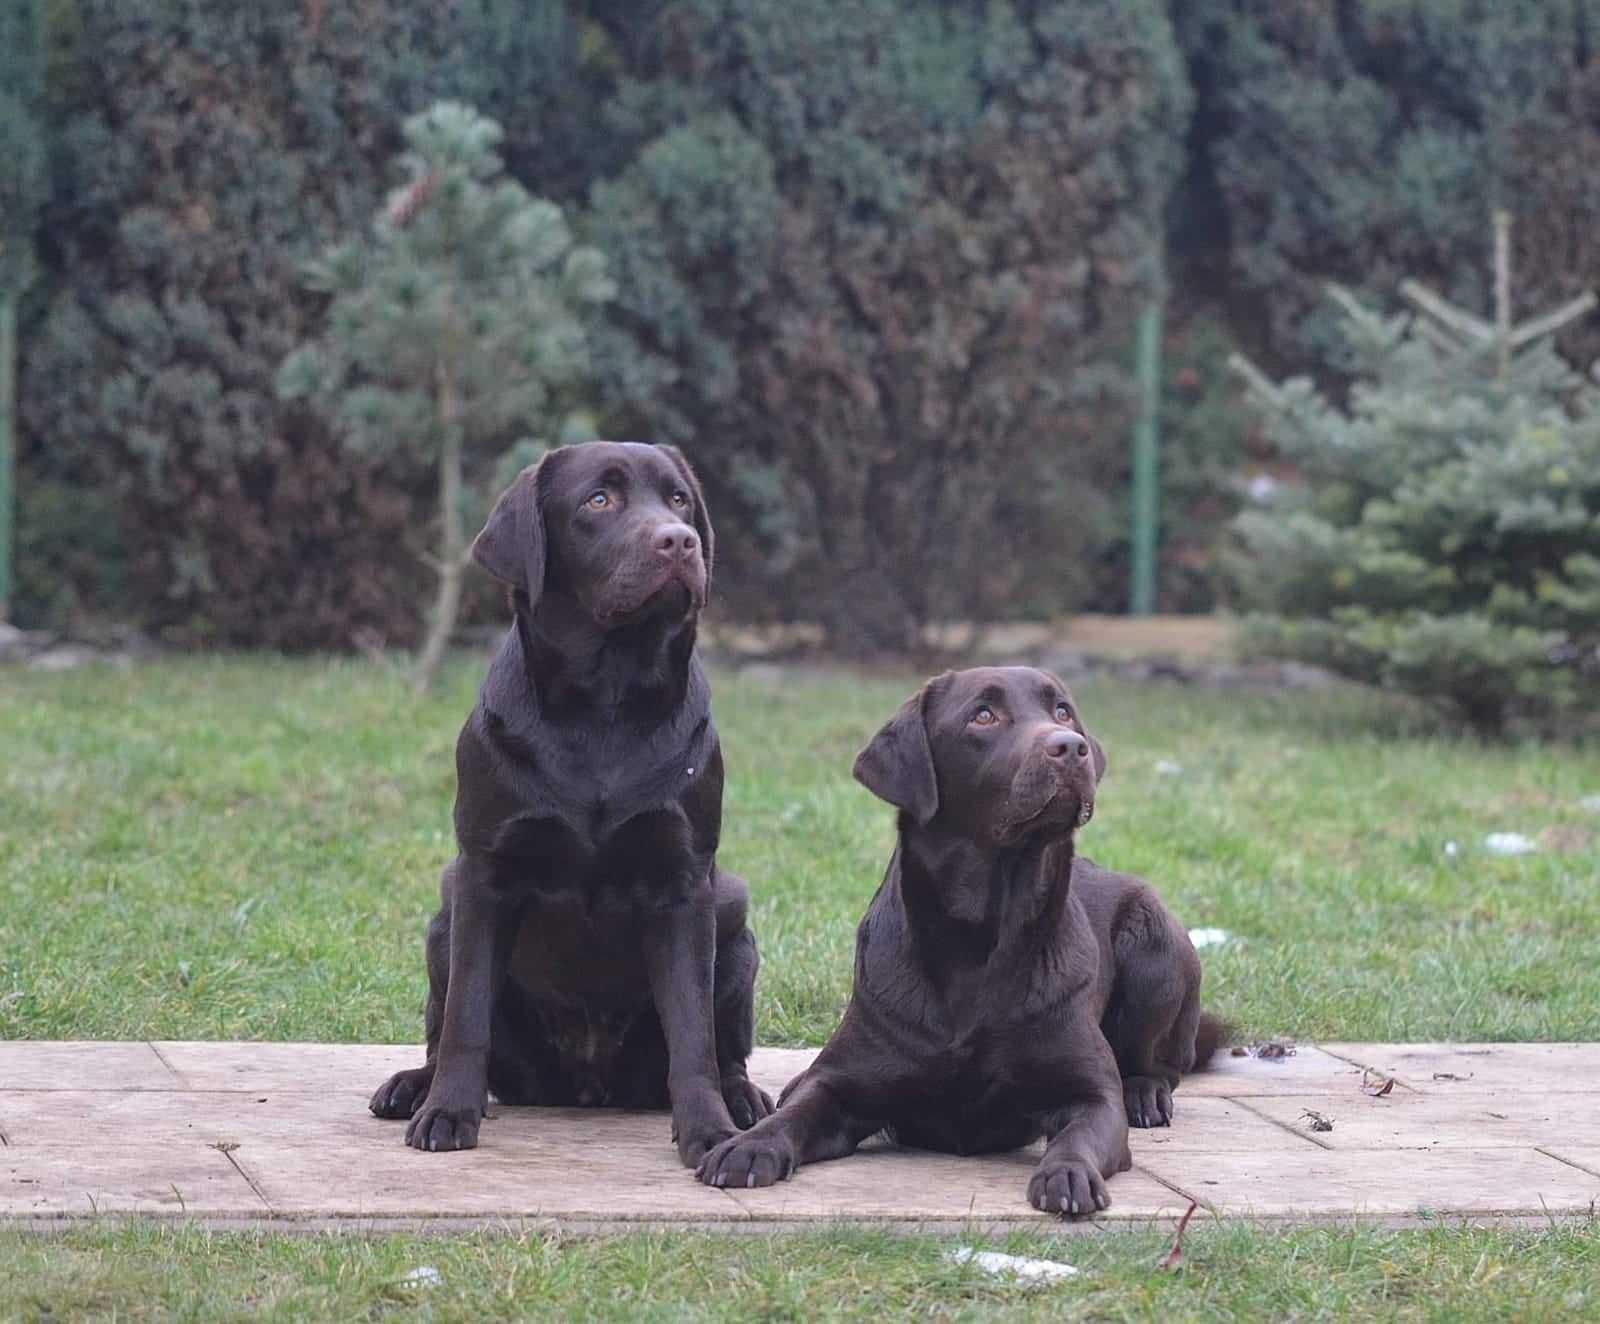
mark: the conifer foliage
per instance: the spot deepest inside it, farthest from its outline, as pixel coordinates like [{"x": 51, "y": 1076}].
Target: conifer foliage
[
  {"x": 1446, "y": 539},
  {"x": 455, "y": 325}
]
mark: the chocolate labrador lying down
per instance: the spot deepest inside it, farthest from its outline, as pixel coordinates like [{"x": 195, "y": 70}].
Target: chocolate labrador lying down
[
  {"x": 587, "y": 949},
  {"x": 1003, "y": 989}
]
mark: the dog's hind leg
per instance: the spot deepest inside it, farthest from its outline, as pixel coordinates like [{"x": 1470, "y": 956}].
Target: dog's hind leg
[
  {"x": 734, "y": 1000},
  {"x": 1152, "y": 1017}
]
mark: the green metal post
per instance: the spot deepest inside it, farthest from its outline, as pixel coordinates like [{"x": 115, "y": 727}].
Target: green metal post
[
  {"x": 1146, "y": 467},
  {"x": 8, "y": 445}
]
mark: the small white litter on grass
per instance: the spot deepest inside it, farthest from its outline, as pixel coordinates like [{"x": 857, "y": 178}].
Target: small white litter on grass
[
  {"x": 1451, "y": 850},
  {"x": 1017, "y": 1266},
  {"x": 1509, "y": 843},
  {"x": 1167, "y": 768},
  {"x": 1591, "y": 803},
  {"x": 424, "y": 1275},
  {"x": 1209, "y": 937}
]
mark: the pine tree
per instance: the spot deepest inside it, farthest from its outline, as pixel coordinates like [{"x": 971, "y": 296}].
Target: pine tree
[
  {"x": 453, "y": 324},
  {"x": 1446, "y": 540}
]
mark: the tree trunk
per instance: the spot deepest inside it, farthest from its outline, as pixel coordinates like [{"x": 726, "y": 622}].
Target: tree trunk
[
  {"x": 452, "y": 550},
  {"x": 1502, "y": 293}
]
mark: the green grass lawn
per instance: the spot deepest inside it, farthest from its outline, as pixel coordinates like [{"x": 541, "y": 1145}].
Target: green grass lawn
[{"x": 250, "y": 849}]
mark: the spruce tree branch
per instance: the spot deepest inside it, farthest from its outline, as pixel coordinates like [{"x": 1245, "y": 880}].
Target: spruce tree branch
[
  {"x": 1441, "y": 339},
  {"x": 1502, "y": 291},
  {"x": 1557, "y": 318},
  {"x": 1256, "y": 380},
  {"x": 1463, "y": 323}
]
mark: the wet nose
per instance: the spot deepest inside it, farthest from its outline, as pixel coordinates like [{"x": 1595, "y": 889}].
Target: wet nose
[
  {"x": 1060, "y": 744},
  {"x": 676, "y": 542}
]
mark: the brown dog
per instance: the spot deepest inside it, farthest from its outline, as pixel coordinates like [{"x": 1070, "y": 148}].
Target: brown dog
[
  {"x": 1003, "y": 989},
  {"x": 587, "y": 949}
]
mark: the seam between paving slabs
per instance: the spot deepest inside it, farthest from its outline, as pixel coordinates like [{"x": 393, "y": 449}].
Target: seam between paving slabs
[
  {"x": 1571, "y": 1163},
  {"x": 596, "y": 1218},
  {"x": 1175, "y": 1188},
  {"x": 1340, "y": 1057},
  {"x": 382, "y": 1225},
  {"x": 1295, "y": 1131},
  {"x": 250, "y": 1181}
]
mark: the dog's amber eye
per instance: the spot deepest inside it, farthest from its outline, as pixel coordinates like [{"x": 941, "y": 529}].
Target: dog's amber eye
[
  {"x": 984, "y": 716},
  {"x": 1063, "y": 712},
  {"x": 680, "y": 499},
  {"x": 598, "y": 500}
]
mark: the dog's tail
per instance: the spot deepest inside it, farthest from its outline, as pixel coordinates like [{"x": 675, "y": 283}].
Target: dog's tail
[{"x": 1209, "y": 1035}]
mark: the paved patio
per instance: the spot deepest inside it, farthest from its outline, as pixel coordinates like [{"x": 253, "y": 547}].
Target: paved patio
[{"x": 250, "y": 1132}]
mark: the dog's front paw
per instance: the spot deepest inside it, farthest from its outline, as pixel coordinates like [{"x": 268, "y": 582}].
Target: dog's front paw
[
  {"x": 1070, "y": 1187},
  {"x": 1148, "y": 1100},
  {"x": 695, "y": 1142},
  {"x": 747, "y": 1102},
  {"x": 700, "y": 1123},
  {"x": 747, "y": 1160},
  {"x": 445, "y": 1124},
  {"x": 402, "y": 1092}
]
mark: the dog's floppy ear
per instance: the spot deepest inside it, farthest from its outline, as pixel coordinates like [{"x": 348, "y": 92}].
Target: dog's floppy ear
[
  {"x": 511, "y": 546},
  {"x": 897, "y": 764},
  {"x": 702, "y": 517}
]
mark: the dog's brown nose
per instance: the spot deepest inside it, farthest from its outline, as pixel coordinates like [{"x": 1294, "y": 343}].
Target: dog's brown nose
[
  {"x": 676, "y": 541},
  {"x": 1066, "y": 745}
]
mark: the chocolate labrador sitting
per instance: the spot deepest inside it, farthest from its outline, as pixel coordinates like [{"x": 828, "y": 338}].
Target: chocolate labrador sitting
[
  {"x": 1004, "y": 990},
  {"x": 587, "y": 949}
]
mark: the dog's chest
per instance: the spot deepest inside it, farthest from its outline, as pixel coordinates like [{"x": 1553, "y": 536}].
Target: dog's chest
[{"x": 648, "y": 859}]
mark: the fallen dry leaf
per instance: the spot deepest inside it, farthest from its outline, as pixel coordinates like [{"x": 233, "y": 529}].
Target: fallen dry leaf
[
  {"x": 1319, "y": 1122},
  {"x": 1375, "y": 1083}
]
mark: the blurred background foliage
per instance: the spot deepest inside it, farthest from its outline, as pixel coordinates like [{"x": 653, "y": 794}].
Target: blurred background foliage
[{"x": 877, "y": 266}]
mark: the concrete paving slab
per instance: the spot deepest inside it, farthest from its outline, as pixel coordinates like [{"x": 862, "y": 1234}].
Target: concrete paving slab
[
  {"x": 1410, "y": 1120},
  {"x": 1308, "y": 1070},
  {"x": 1587, "y": 1159},
  {"x": 73, "y": 1065},
  {"x": 94, "y": 1118},
  {"x": 269, "y": 1067},
  {"x": 131, "y": 1177},
  {"x": 881, "y": 1181},
  {"x": 1470, "y": 1068},
  {"x": 1210, "y": 1125},
  {"x": 1356, "y": 1183},
  {"x": 246, "y": 1132},
  {"x": 530, "y": 1163}
]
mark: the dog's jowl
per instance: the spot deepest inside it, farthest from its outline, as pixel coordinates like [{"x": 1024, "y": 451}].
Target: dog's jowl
[
  {"x": 1004, "y": 988},
  {"x": 587, "y": 949}
]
